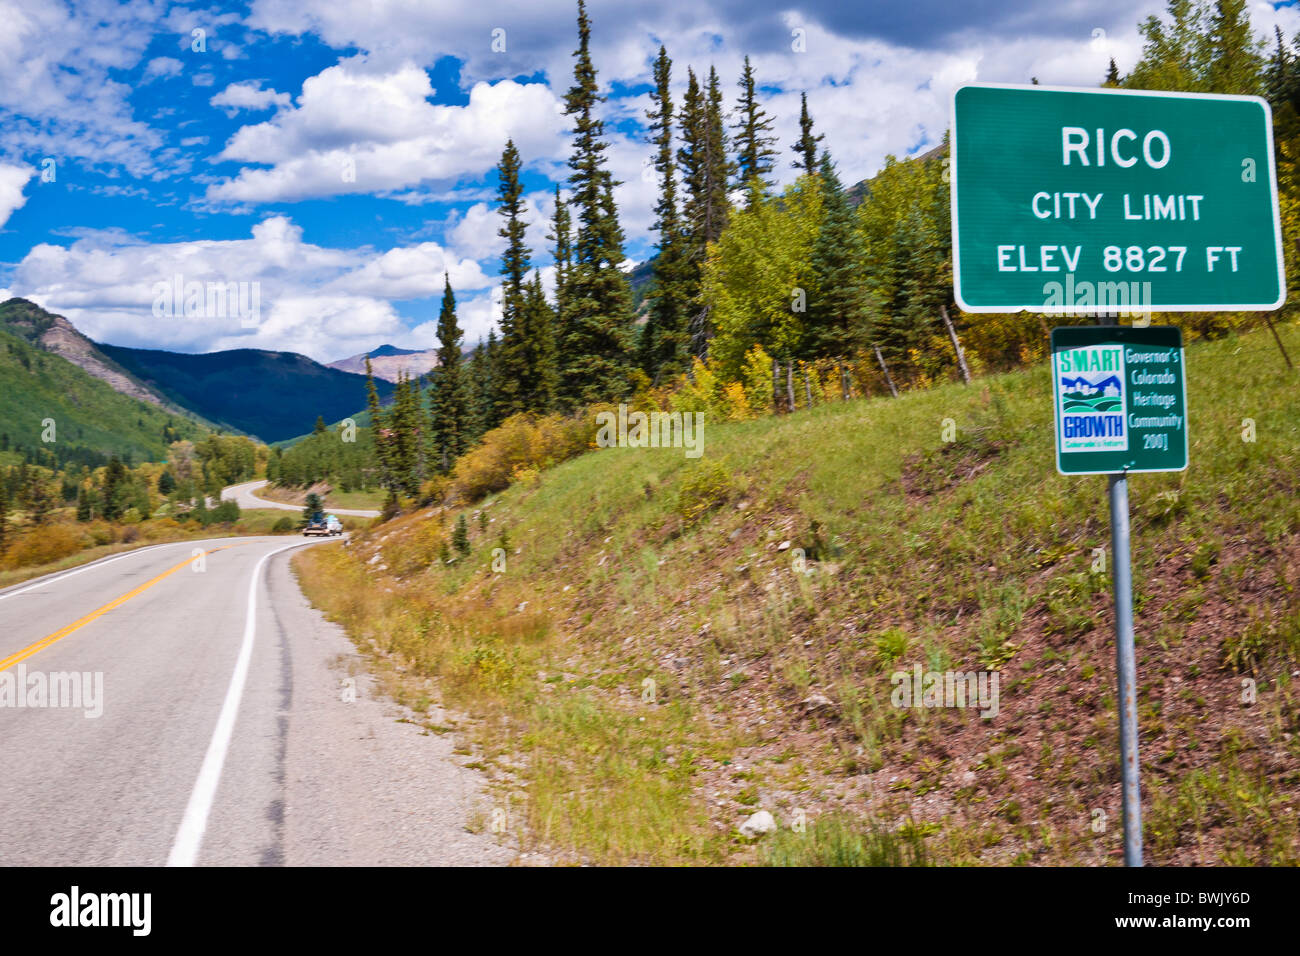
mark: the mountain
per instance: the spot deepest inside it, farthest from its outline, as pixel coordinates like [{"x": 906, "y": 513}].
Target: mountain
[
  {"x": 270, "y": 395},
  {"x": 52, "y": 410},
  {"x": 388, "y": 360},
  {"x": 54, "y": 333}
]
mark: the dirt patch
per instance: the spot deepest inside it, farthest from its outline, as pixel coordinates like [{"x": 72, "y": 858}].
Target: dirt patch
[{"x": 951, "y": 464}]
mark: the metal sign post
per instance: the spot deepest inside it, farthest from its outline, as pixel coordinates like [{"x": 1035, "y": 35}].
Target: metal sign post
[
  {"x": 1125, "y": 660},
  {"x": 1120, "y": 400},
  {"x": 1125, "y": 667}
]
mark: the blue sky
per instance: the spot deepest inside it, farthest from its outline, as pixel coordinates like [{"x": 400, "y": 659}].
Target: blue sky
[{"x": 341, "y": 155}]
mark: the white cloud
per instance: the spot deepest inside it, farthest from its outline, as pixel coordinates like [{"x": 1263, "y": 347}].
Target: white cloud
[
  {"x": 162, "y": 66},
  {"x": 12, "y": 181},
  {"x": 57, "y": 94},
  {"x": 320, "y": 301},
  {"x": 356, "y": 130},
  {"x": 248, "y": 95}
]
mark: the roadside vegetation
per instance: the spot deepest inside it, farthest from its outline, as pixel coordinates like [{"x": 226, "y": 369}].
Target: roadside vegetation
[
  {"x": 654, "y": 648},
  {"x": 56, "y": 513}
]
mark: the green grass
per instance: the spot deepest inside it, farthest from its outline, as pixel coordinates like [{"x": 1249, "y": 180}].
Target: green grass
[
  {"x": 843, "y": 840},
  {"x": 971, "y": 554},
  {"x": 87, "y": 414}
]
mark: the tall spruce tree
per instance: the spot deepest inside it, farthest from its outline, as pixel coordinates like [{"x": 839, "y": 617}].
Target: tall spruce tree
[
  {"x": 449, "y": 394},
  {"x": 537, "y": 391},
  {"x": 561, "y": 235},
  {"x": 755, "y": 152},
  {"x": 405, "y": 423},
  {"x": 598, "y": 311},
  {"x": 490, "y": 405},
  {"x": 382, "y": 433},
  {"x": 477, "y": 386},
  {"x": 805, "y": 149},
  {"x": 513, "y": 364},
  {"x": 706, "y": 176},
  {"x": 838, "y": 306},
  {"x": 665, "y": 339}
]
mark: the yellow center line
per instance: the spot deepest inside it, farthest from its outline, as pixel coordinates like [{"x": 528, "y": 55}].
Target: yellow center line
[{"x": 31, "y": 649}]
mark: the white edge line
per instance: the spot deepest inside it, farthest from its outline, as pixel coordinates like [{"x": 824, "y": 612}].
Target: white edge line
[
  {"x": 58, "y": 576},
  {"x": 189, "y": 838}
]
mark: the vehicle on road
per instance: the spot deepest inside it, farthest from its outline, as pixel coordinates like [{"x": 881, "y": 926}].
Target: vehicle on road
[
  {"x": 334, "y": 524},
  {"x": 317, "y": 524}
]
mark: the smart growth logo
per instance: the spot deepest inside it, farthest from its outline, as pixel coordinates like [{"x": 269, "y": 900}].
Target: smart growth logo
[{"x": 1090, "y": 393}]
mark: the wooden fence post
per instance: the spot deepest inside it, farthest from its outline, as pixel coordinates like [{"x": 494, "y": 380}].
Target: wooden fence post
[
  {"x": 956, "y": 344},
  {"x": 885, "y": 368}
]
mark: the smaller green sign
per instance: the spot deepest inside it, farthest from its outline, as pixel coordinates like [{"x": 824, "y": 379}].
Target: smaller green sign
[{"x": 1120, "y": 399}]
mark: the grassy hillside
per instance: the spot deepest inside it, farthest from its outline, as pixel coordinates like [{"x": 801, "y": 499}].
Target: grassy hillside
[
  {"x": 271, "y": 395},
  {"x": 651, "y": 665},
  {"x": 89, "y": 415}
]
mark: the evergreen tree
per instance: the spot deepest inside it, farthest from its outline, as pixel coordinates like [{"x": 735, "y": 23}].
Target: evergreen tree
[
  {"x": 379, "y": 426},
  {"x": 706, "y": 175},
  {"x": 319, "y": 428},
  {"x": 83, "y": 504},
  {"x": 806, "y": 149},
  {"x": 598, "y": 312},
  {"x": 754, "y": 141},
  {"x": 538, "y": 387},
  {"x": 1281, "y": 76},
  {"x": 448, "y": 394},
  {"x": 1112, "y": 80},
  {"x": 665, "y": 340},
  {"x": 460, "y": 537},
  {"x": 482, "y": 388},
  {"x": 477, "y": 385},
  {"x": 561, "y": 236},
  {"x": 837, "y": 307},
  {"x": 115, "y": 489},
  {"x": 405, "y": 420},
  {"x": 167, "y": 483},
  {"x": 513, "y": 365}
]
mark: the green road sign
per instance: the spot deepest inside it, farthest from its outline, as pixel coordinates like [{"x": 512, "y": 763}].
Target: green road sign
[
  {"x": 1120, "y": 399},
  {"x": 1083, "y": 201}
]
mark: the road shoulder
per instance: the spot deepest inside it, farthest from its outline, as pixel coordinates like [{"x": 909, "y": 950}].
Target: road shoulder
[{"x": 361, "y": 786}]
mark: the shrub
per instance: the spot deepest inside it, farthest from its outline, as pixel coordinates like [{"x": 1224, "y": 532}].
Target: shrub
[
  {"x": 521, "y": 442},
  {"x": 283, "y": 525},
  {"x": 226, "y": 513},
  {"x": 46, "y": 544},
  {"x": 706, "y": 486},
  {"x": 416, "y": 550}
]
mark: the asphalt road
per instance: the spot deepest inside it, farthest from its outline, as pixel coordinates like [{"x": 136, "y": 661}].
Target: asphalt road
[
  {"x": 243, "y": 495},
  {"x": 227, "y": 731}
]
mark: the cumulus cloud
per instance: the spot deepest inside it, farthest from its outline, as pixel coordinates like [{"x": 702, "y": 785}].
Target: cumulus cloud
[
  {"x": 357, "y": 130},
  {"x": 878, "y": 82},
  {"x": 161, "y": 67},
  {"x": 248, "y": 95},
  {"x": 12, "y": 181},
  {"x": 313, "y": 299}
]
